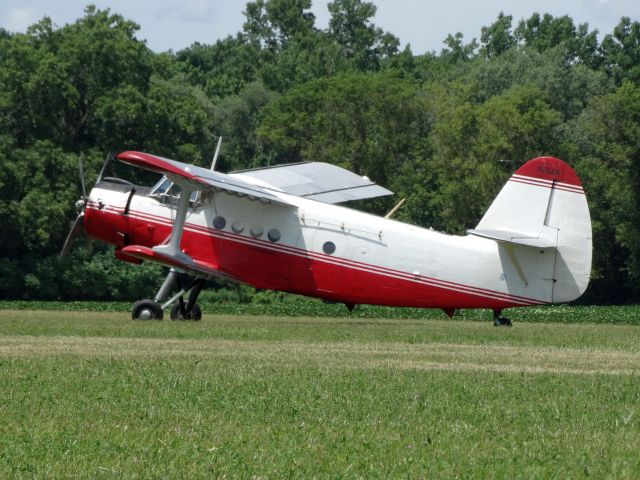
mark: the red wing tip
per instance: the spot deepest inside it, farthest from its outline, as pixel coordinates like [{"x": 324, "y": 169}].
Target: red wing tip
[
  {"x": 157, "y": 164},
  {"x": 550, "y": 168},
  {"x": 129, "y": 249},
  {"x": 146, "y": 253},
  {"x": 206, "y": 265},
  {"x": 138, "y": 251},
  {"x": 133, "y": 155}
]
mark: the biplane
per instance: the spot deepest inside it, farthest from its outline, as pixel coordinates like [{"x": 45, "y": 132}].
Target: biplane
[{"x": 283, "y": 228}]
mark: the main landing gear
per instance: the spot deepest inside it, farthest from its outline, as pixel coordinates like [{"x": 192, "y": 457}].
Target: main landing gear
[
  {"x": 499, "y": 320},
  {"x": 180, "y": 310}
]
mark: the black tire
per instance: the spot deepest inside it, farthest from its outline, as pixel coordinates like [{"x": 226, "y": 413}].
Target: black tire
[
  {"x": 146, "y": 310},
  {"x": 502, "y": 322},
  {"x": 195, "y": 314}
]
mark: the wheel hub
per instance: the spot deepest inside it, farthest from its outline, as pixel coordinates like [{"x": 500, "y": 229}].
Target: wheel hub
[{"x": 146, "y": 314}]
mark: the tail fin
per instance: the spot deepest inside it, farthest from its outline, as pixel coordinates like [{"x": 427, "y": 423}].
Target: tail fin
[{"x": 543, "y": 206}]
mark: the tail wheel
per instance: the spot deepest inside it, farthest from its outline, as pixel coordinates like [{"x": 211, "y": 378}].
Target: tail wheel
[
  {"x": 499, "y": 320},
  {"x": 194, "y": 314},
  {"x": 146, "y": 310}
]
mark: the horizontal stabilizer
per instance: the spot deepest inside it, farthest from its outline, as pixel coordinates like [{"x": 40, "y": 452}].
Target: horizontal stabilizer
[
  {"x": 517, "y": 238},
  {"x": 315, "y": 180}
]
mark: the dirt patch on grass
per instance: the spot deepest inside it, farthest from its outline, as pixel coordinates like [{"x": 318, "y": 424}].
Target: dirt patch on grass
[{"x": 429, "y": 356}]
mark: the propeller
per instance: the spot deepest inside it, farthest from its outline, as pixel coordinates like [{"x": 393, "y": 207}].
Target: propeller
[
  {"x": 76, "y": 229},
  {"x": 84, "y": 189},
  {"x": 78, "y": 225}
]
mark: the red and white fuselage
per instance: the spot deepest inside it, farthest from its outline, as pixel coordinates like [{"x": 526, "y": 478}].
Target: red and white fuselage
[{"x": 532, "y": 247}]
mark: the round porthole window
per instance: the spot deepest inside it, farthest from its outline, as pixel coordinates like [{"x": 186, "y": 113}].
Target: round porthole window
[
  {"x": 329, "y": 248},
  {"x": 256, "y": 231},
  {"x": 274, "y": 235},
  {"x": 237, "y": 226},
  {"x": 219, "y": 223}
]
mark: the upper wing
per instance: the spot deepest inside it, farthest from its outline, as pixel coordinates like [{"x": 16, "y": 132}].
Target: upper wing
[
  {"x": 315, "y": 180},
  {"x": 200, "y": 178}
]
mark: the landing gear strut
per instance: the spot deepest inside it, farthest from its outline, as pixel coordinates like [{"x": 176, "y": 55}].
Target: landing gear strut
[
  {"x": 190, "y": 310},
  {"x": 499, "y": 320},
  {"x": 181, "y": 310},
  {"x": 194, "y": 314}
]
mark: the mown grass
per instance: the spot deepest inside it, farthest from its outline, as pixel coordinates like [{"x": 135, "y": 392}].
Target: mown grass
[{"x": 95, "y": 395}]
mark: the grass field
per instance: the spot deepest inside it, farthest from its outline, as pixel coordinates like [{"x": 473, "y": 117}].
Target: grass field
[{"x": 95, "y": 395}]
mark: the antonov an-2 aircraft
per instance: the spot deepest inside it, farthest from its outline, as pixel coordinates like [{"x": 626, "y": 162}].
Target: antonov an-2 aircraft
[{"x": 280, "y": 228}]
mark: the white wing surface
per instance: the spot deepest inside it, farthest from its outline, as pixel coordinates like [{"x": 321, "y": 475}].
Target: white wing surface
[{"x": 314, "y": 180}]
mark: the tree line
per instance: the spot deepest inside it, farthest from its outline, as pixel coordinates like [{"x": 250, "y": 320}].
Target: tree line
[{"x": 442, "y": 129}]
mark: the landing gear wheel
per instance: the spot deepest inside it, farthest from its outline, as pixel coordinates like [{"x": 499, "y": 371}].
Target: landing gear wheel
[
  {"x": 146, "y": 310},
  {"x": 195, "y": 313},
  {"x": 501, "y": 322}
]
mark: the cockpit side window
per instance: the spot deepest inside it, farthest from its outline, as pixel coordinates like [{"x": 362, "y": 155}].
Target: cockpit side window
[
  {"x": 162, "y": 187},
  {"x": 168, "y": 192}
]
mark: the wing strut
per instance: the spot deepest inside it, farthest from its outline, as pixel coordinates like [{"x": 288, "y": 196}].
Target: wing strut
[
  {"x": 215, "y": 155},
  {"x": 172, "y": 249}
]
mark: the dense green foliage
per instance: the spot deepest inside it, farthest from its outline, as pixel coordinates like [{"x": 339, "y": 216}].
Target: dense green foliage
[
  {"x": 99, "y": 396},
  {"x": 443, "y": 130}
]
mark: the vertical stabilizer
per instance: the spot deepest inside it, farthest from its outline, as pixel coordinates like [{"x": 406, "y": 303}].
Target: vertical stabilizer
[{"x": 543, "y": 206}]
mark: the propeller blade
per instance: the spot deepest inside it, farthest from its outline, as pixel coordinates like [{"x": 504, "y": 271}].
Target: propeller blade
[
  {"x": 76, "y": 229},
  {"x": 108, "y": 158},
  {"x": 84, "y": 189}
]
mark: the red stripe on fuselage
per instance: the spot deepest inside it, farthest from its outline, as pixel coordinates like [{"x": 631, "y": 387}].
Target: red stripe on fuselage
[{"x": 274, "y": 266}]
